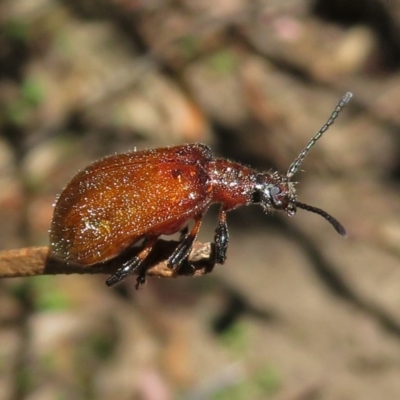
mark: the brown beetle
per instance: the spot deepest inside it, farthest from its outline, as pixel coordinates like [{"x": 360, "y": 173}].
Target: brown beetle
[{"x": 118, "y": 201}]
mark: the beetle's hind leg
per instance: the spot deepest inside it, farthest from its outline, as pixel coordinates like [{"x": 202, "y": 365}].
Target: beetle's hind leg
[
  {"x": 132, "y": 265},
  {"x": 183, "y": 249},
  {"x": 221, "y": 238}
]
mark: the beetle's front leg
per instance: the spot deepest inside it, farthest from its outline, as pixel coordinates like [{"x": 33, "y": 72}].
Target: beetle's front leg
[{"x": 221, "y": 238}]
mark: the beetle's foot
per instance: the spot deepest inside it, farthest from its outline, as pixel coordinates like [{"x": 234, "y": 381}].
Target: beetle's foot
[
  {"x": 141, "y": 280},
  {"x": 186, "y": 268},
  {"x": 221, "y": 241}
]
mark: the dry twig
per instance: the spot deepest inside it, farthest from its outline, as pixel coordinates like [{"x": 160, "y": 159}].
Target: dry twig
[{"x": 33, "y": 261}]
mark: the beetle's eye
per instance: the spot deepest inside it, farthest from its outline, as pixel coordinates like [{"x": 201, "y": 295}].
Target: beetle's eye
[{"x": 274, "y": 192}]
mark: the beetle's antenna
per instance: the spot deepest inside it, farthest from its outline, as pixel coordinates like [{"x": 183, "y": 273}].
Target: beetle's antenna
[
  {"x": 296, "y": 163},
  {"x": 333, "y": 221}
]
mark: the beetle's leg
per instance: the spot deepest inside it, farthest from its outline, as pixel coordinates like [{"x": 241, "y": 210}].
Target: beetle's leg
[
  {"x": 183, "y": 232},
  {"x": 183, "y": 249},
  {"x": 133, "y": 264},
  {"x": 141, "y": 279},
  {"x": 221, "y": 238}
]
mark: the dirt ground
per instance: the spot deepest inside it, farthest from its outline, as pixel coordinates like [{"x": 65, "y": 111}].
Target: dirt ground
[{"x": 297, "y": 312}]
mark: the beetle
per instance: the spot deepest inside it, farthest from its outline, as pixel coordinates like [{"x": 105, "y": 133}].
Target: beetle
[{"x": 125, "y": 198}]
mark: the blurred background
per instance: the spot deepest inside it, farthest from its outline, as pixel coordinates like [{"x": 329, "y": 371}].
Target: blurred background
[{"x": 297, "y": 312}]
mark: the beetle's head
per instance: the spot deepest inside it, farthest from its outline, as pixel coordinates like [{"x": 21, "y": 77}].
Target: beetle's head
[{"x": 276, "y": 192}]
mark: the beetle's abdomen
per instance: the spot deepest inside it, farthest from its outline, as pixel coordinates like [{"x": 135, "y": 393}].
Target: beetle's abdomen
[{"x": 100, "y": 214}]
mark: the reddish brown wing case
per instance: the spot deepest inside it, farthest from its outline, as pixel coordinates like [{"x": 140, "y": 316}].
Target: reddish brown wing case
[{"x": 120, "y": 199}]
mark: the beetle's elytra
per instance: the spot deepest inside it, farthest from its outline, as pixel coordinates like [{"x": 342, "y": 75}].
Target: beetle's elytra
[{"x": 117, "y": 201}]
